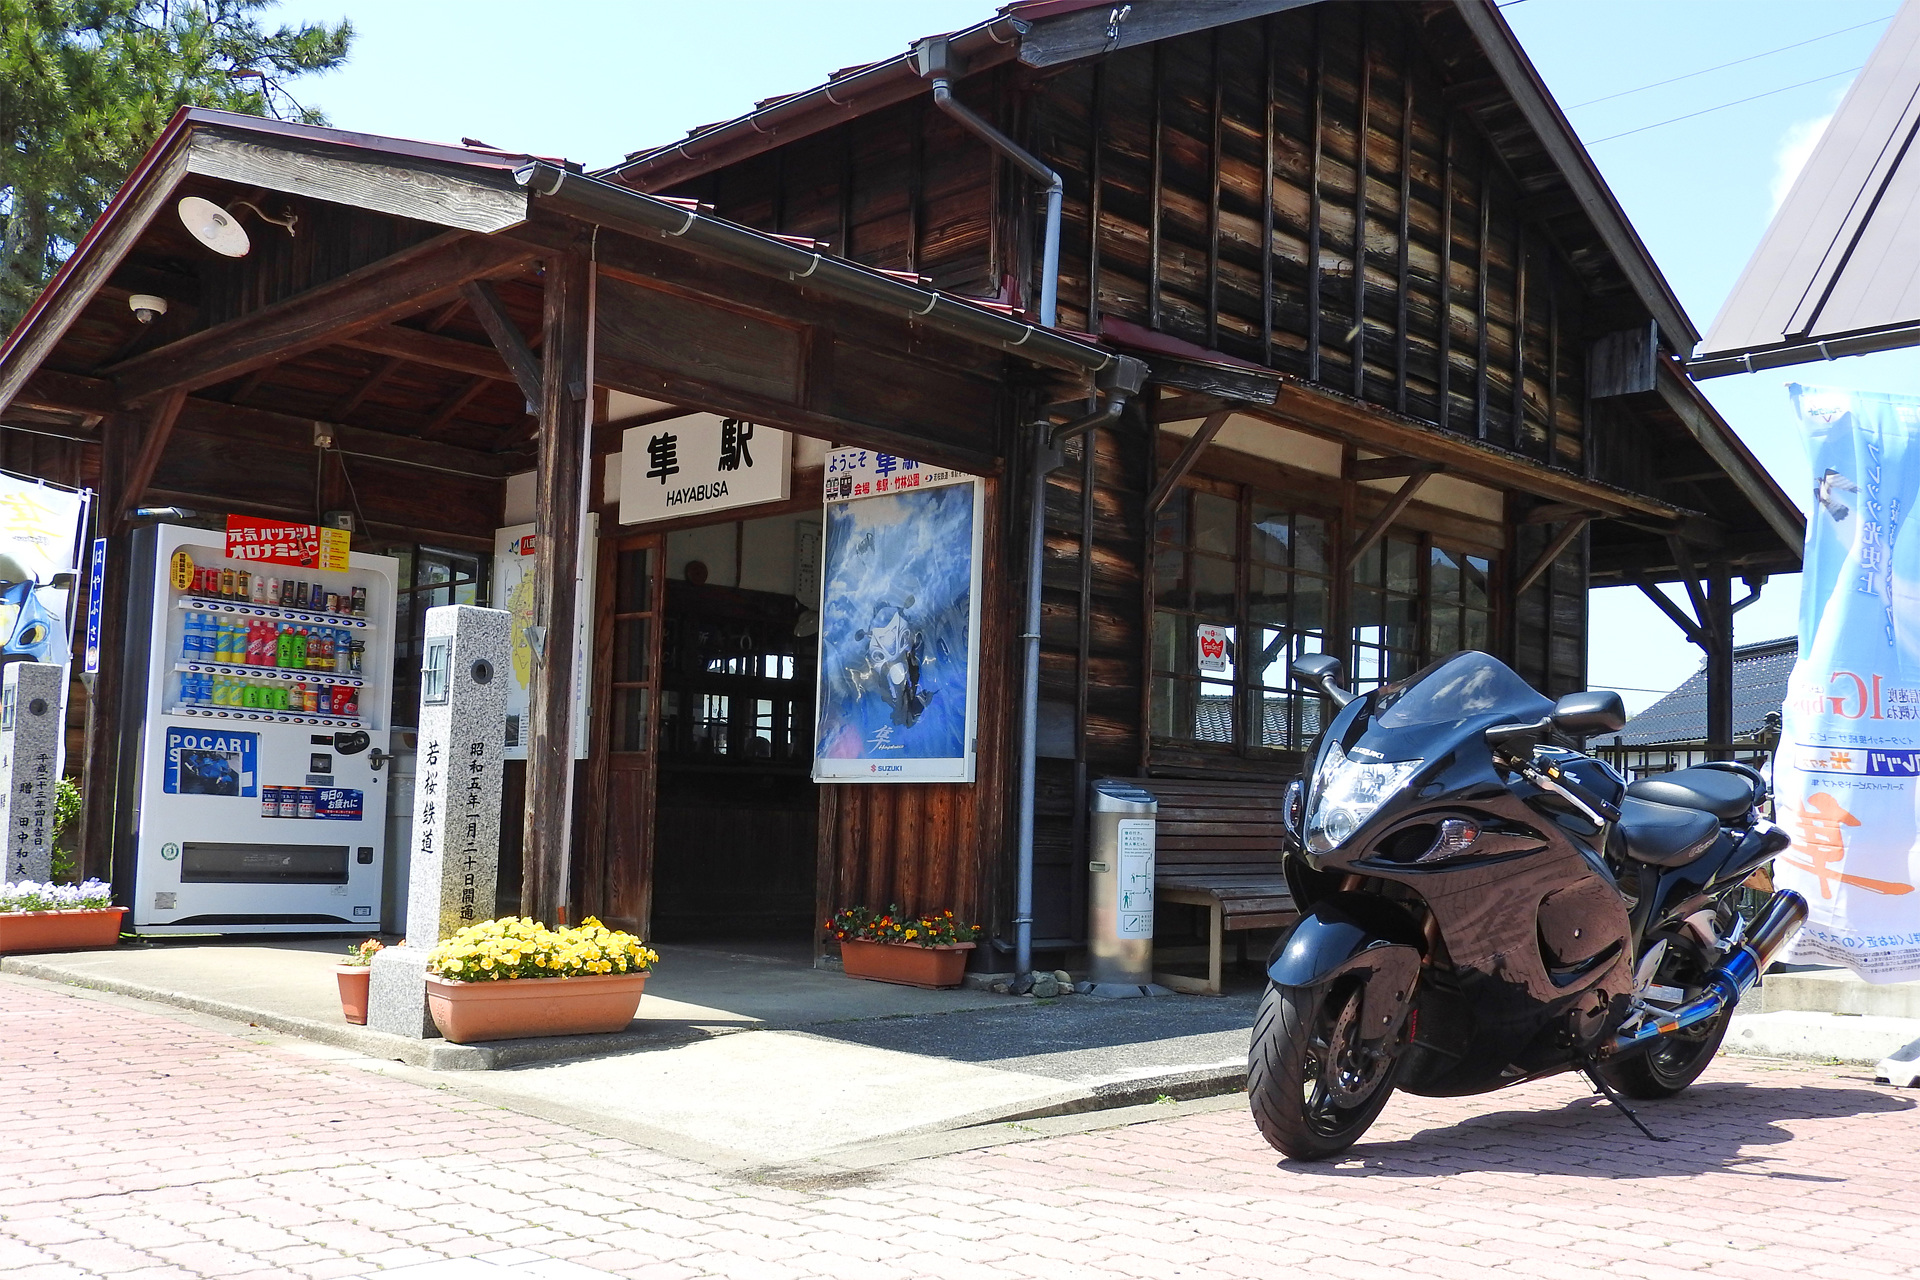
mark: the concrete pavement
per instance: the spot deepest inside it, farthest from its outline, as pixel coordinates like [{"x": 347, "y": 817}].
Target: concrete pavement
[{"x": 148, "y": 1145}]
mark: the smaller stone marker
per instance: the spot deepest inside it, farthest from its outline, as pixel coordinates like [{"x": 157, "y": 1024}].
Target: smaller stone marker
[
  {"x": 30, "y": 729},
  {"x": 456, "y": 806}
]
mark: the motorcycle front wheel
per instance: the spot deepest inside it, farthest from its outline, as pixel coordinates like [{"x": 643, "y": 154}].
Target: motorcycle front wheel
[{"x": 1313, "y": 1084}]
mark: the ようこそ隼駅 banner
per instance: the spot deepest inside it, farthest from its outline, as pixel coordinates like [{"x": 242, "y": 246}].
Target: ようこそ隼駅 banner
[
  {"x": 899, "y": 621},
  {"x": 1847, "y": 775}
]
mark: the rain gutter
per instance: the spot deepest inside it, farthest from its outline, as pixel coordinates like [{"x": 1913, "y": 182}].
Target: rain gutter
[{"x": 608, "y": 204}]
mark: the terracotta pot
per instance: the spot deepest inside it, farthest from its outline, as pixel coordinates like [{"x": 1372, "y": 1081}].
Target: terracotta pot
[
  {"x": 59, "y": 930},
  {"x": 906, "y": 963},
  {"x": 517, "y": 1008},
  {"x": 353, "y": 979}
]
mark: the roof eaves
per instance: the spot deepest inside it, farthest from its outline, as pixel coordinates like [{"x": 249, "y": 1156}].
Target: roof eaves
[
  {"x": 1569, "y": 154},
  {"x": 809, "y": 111}
]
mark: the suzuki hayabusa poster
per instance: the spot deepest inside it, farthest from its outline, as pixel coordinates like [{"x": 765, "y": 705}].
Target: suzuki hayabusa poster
[{"x": 899, "y": 622}]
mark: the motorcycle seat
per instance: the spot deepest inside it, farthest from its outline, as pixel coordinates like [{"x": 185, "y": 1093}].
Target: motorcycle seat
[
  {"x": 1665, "y": 835},
  {"x": 1724, "y": 795}
]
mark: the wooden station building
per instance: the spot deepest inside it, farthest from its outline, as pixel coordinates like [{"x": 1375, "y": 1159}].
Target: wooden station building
[{"x": 1410, "y": 385}]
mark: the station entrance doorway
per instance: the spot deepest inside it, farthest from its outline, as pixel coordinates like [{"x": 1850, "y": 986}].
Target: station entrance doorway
[{"x": 714, "y": 634}]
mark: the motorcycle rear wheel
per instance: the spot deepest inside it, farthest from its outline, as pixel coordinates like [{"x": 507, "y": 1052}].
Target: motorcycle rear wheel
[
  {"x": 1313, "y": 1085},
  {"x": 1674, "y": 1062}
]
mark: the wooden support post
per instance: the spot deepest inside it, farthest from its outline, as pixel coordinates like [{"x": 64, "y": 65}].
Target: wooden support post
[
  {"x": 566, "y": 441},
  {"x": 100, "y": 764},
  {"x": 1718, "y": 625}
]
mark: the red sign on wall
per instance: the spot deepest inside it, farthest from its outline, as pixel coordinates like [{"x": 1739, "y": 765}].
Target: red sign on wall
[{"x": 309, "y": 546}]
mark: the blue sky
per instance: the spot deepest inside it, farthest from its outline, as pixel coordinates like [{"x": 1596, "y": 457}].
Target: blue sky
[{"x": 594, "y": 80}]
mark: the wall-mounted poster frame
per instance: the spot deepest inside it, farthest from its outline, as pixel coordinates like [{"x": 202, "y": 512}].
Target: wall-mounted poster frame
[{"x": 899, "y": 681}]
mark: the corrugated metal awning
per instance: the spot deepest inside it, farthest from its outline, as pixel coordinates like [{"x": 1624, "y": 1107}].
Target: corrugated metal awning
[{"x": 1838, "y": 272}]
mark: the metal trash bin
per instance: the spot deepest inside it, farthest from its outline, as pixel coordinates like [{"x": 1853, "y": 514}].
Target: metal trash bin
[{"x": 1120, "y": 890}]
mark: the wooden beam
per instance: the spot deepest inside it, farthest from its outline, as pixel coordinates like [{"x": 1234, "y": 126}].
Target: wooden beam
[
  {"x": 393, "y": 364},
  {"x": 1384, "y": 521},
  {"x": 1555, "y": 512},
  {"x": 1106, "y": 29},
  {"x": 1190, "y": 407},
  {"x": 1561, "y": 541},
  {"x": 1189, "y": 455},
  {"x": 160, "y": 419},
  {"x": 76, "y": 393},
  {"x": 436, "y": 351},
  {"x": 450, "y": 407},
  {"x": 506, "y": 336},
  {"x": 1388, "y": 468},
  {"x": 1688, "y": 626},
  {"x": 561, "y": 507},
  {"x": 398, "y": 285}
]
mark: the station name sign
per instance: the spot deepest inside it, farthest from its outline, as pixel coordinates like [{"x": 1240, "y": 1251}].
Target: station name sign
[{"x": 701, "y": 463}]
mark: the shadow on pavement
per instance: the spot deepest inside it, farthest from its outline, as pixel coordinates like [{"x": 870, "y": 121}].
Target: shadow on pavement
[{"x": 1711, "y": 1127}]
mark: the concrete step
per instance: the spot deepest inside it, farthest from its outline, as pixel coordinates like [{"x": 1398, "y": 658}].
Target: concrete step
[
  {"x": 1859, "y": 1039},
  {"x": 1836, "y": 991}
]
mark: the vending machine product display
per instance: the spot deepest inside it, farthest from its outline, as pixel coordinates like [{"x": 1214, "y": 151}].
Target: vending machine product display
[{"x": 263, "y": 735}]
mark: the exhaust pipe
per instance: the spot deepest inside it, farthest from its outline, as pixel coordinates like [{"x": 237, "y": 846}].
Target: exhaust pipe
[{"x": 1786, "y": 912}]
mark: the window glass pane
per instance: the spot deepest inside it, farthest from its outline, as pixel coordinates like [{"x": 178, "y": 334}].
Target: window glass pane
[
  {"x": 1474, "y": 580},
  {"x": 1370, "y": 569},
  {"x": 630, "y": 720},
  {"x": 1309, "y": 606},
  {"x": 631, "y": 648},
  {"x": 1476, "y": 630},
  {"x": 1368, "y": 611},
  {"x": 1170, "y": 526},
  {"x": 1214, "y": 521},
  {"x": 1213, "y": 586},
  {"x": 1270, "y": 714},
  {"x": 1164, "y": 712},
  {"x": 1272, "y": 532},
  {"x": 710, "y": 724},
  {"x": 1167, "y": 630},
  {"x": 1403, "y": 567},
  {"x": 1213, "y": 715},
  {"x": 1400, "y": 611},
  {"x": 1310, "y": 543},
  {"x": 1445, "y": 631},
  {"x": 1170, "y": 579},
  {"x": 1267, "y": 592},
  {"x": 1269, "y": 665},
  {"x": 1444, "y": 571},
  {"x": 633, "y": 582}
]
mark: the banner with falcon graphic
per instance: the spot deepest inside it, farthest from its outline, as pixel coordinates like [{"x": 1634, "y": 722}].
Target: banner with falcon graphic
[{"x": 1847, "y": 777}]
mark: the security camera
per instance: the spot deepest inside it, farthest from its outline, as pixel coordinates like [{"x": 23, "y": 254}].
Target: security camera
[{"x": 147, "y": 307}]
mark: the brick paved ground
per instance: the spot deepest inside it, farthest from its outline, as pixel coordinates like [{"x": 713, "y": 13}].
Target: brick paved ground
[{"x": 139, "y": 1147}]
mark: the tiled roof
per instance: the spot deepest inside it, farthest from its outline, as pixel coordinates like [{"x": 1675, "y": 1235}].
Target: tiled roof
[{"x": 1760, "y": 674}]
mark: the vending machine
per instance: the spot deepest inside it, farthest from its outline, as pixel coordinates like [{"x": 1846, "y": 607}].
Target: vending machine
[{"x": 262, "y": 792}]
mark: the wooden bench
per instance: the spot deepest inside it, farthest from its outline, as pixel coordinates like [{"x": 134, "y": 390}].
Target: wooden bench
[{"x": 1218, "y": 846}]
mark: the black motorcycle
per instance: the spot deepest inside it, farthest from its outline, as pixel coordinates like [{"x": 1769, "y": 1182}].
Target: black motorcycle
[{"x": 1480, "y": 906}]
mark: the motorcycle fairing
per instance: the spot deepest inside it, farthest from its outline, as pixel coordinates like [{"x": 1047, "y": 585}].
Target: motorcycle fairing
[{"x": 1351, "y": 934}]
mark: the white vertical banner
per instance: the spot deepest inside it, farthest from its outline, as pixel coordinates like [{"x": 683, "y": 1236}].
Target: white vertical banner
[{"x": 1845, "y": 777}]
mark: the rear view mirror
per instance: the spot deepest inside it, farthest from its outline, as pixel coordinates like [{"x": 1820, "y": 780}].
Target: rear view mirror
[
  {"x": 1582, "y": 715},
  {"x": 1321, "y": 671}
]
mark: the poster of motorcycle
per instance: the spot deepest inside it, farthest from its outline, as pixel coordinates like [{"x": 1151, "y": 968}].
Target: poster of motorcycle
[
  {"x": 899, "y": 621},
  {"x": 40, "y": 538},
  {"x": 1847, "y": 772}
]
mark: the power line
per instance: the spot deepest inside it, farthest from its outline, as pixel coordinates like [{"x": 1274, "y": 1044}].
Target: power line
[
  {"x": 1724, "y": 65},
  {"x": 1722, "y": 106}
]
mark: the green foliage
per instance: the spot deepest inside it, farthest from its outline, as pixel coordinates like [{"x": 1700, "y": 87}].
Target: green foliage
[
  {"x": 66, "y": 813},
  {"x": 87, "y": 85}
]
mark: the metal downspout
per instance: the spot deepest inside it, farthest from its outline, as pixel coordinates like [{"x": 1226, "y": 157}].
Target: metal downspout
[
  {"x": 1116, "y": 390},
  {"x": 936, "y": 62}
]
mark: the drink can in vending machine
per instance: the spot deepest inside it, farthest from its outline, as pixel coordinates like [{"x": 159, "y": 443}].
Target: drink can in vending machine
[
  {"x": 359, "y": 602},
  {"x": 226, "y": 584},
  {"x": 308, "y": 800},
  {"x": 269, "y": 802},
  {"x": 242, "y": 585},
  {"x": 289, "y": 802}
]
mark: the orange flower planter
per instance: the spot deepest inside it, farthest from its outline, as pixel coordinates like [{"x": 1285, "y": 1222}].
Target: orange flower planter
[
  {"x": 519, "y": 1008},
  {"x": 905, "y": 963},
  {"x": 59, "y": 930},
  {"x": 353, "y": 979}
]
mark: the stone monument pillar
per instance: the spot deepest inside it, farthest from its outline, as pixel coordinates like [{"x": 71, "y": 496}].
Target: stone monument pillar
[
  {"x": 456, "y": 806},
  {"x": 30, "y": 729}
]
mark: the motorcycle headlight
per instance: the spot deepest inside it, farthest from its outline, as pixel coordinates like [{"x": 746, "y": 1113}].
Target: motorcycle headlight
[{"x": 1347, "y": 792}]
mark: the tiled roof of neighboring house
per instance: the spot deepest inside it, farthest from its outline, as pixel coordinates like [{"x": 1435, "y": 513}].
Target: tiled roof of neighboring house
[{"x": 1760, "y": 674}]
